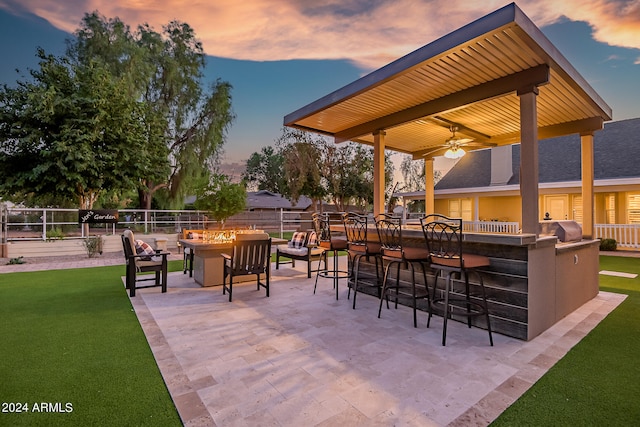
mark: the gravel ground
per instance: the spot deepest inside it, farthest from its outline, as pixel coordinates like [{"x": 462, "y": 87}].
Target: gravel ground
[{"x": 109, "y": 258}]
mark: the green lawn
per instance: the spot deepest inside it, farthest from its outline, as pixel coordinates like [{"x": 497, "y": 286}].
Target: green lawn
[
  {"x": 598, "y": 382},
  {"x": 71, "y": 341}
]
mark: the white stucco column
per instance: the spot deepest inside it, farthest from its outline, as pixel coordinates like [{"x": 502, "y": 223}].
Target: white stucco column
[
  {"x": 588, "y": 203},
  {"x": 378, "y": 172},
  {"x": 529, "y": 160},
  {"x": 429, "y": 195}
]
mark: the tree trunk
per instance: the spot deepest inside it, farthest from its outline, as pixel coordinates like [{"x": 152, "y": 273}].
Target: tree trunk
[
  {"x": 146, "y": 196},
  {"x": 144, "y": 199},
  {"x": 86, "y": 202}
]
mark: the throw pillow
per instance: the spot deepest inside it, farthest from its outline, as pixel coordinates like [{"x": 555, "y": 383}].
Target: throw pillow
[
  {"x": 143, "y": 248},
  {"x": 313, "y": 239},
  {"x": 297, "y": 240}
]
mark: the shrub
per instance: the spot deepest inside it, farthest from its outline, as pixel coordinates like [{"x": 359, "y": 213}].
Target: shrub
[
  {"x": 608, "y": 245},
  {"x": 93, "y": 245},
  {"x": 55, "y": 233}
]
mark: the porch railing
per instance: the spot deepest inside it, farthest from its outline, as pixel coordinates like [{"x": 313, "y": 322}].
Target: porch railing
[
  {"x": 491, "y": 227},
  {"x": 625, "y": 235}
]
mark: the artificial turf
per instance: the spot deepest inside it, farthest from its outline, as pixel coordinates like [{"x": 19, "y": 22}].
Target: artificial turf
[
  {"x": 73, "y": 352},
  {"x": 598, "y": 382},
  {"x": 72, "y": 337}
]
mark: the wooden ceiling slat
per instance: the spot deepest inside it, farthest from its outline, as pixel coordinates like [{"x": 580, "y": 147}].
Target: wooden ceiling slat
[{"x": 443, "y": 80}]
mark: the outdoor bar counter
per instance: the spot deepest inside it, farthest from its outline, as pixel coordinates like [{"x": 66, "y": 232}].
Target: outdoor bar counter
[{"x": 531, "y": 283}]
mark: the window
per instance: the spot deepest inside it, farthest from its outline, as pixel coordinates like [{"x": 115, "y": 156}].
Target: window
[
  {"x": 461, "y": 208},
  {"x": 577, "y": 209},
  {"x": 610, "y": 208},
  {"x": 633, "y": 208}
]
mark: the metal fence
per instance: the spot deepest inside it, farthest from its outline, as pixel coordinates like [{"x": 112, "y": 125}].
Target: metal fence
[
  {"x": 43, "y": 224},
  {"x": 46, "y": 223}
]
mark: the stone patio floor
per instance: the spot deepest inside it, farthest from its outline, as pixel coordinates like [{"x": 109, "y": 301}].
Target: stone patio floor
[{"x": 299, "y": 359}]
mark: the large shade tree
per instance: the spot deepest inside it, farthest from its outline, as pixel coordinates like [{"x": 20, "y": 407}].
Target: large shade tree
[
  {"x": 185, "y": 121},
  {"x": 302, "y": 154},
  {"x": 413, "y": 174},
  {"x": 70, "y": 131},
  {"x": 265, "y": 171},
  {"x": 319, "y": 169},
  {"x": 139, "y": 94}
]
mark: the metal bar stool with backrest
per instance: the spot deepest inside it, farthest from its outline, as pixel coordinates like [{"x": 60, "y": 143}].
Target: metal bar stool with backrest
[
  {"x": 322, "y": 227},
  {"x": 394, "y": 252},
  {"x": 444, "y": 241},
  {"x": 356, "y": 228}
]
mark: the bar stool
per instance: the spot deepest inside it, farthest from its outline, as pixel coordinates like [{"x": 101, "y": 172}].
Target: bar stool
[
  {"x": 356, "y": 227},
  {"x": 444, "y": 242},
  {"x": 394, "y": 252},
  {"x": 322, "y": 226}
]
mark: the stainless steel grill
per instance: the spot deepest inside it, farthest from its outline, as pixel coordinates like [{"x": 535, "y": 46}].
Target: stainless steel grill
[{"x": 565, "y": 231}]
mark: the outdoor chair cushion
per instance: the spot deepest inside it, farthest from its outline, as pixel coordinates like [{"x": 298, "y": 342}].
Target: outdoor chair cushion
[{"x": 301, "y": 251}]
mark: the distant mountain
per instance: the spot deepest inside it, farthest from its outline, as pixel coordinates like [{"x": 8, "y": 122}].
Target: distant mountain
[{"x": 21, "y": 36}]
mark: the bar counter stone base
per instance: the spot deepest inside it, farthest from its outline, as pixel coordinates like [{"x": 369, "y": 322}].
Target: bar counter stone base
[{"x": 530, "y": 284}]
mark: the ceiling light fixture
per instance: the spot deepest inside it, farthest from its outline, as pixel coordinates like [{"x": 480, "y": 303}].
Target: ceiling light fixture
[{"x": 454, "y": 153}]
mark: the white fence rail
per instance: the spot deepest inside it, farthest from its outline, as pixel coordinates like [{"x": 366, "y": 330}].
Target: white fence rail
[
  {"x": 491, "y": 227},
  {"x": 625, "y": 235},
  {"x": 37, "y": 224},
  {"x": 41, "y": 224}
]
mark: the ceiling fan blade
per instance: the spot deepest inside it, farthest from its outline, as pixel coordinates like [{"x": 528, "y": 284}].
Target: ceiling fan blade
[
  {"x": 480, "y": 144},
  {"x": 435, "y": 150}
]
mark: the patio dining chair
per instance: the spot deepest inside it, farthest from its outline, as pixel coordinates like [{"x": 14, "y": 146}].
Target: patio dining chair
[
  {"x": 140, "y": 258},
  {"x": 250, "y": 254},
  {"x": 303, "y": 246}
]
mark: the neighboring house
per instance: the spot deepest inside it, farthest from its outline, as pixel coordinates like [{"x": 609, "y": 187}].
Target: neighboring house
[
  {"x": 266, "y": 200},
  {"x": 484, "y": 185},
  {"x": 271, "y": 211}
]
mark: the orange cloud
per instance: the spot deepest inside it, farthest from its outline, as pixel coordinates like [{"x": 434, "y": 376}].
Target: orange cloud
[{"x": 370, "y": 33}]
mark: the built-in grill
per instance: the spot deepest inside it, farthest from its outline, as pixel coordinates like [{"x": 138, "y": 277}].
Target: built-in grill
[{"x": 565, "y": 231}]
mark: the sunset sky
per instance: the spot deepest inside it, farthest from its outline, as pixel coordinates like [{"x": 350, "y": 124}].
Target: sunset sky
[{"x": 279, "y": 55}]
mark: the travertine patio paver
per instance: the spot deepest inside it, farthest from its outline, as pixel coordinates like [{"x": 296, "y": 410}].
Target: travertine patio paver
[{"x": 302, "y": 359}]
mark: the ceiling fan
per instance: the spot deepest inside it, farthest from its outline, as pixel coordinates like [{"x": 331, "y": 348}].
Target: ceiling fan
[{"x": 454, "y": 145}]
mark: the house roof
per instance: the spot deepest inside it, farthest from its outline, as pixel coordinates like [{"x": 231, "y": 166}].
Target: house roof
[
  {"x": 470, "y": 79},
  {"x": 264, "y": 199},
  {"x": 616, "y": 151}
]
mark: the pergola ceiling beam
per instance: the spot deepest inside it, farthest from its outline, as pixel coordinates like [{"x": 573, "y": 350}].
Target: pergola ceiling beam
[
  {"x": 441, "y": 121},
  {"x": 584, "y": 126},
  {"x": 534, "y": 76}
]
